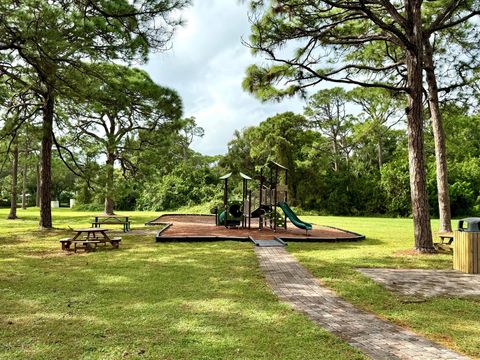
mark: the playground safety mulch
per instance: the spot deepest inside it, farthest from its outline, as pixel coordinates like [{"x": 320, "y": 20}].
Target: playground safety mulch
[{"x": 202, "y": 228}]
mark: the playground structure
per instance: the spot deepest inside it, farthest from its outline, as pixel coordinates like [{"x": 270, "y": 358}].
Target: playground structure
[
  {"x": 272, "y": 194},
  {"x": 232, "y": 214},
  {"x": 195, "y": 227}
]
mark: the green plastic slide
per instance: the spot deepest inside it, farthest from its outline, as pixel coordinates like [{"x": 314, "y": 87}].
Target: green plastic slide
[{"x": 293, "y": 217}]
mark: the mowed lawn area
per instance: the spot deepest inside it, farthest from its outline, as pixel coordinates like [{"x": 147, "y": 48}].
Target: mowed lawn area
[
  {"x": 144, "y": 300},
  {"x": 200, "y": 300}
]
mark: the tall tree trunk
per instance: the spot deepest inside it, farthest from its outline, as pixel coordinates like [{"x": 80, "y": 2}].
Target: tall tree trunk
[
  {"x": 335, "y": 154},
  {"x": 46, "y": 161},
  {"x": 24, "y": 178},
  {"x": 439, "y": 138},
  {"x": 109, "y": 184},
  {"x": 24, "y": 187},
  {"x": 380, "y": 152},
  {"x": 87, "y": 195},
  {"x": 13, "y": 200},
  {"x": 418, "y": 184},
  {"x": 37, "y": 197}
]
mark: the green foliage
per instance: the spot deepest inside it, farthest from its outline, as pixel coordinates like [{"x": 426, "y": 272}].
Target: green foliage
[
  {"x": 121, "y": 114},
  {"x": 395, "y": 184},
  {"x": 258, "y": 81},
  {"x": 306, "y": 43},
  {"x": 63, "y": 181},
  {"x": 333, "y": 166},
  {"x": 127, "y": 191},
  {"x": 50, "y": 48},
  {"x": 190, "y": 183},
  {"x": 462, "y": 198},
  {"x": 239, "y": 157}
]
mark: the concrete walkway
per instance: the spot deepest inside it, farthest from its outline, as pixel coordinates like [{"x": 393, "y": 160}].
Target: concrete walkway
[
  {"x": 425, "y": 283},
  {"x": 375, "y": 337}
]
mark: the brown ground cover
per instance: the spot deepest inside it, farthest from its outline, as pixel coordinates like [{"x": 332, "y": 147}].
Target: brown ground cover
[{"x": 204, "y": 225}]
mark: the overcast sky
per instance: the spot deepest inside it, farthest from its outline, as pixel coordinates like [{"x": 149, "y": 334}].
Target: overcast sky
[{"x": 207, "y": 65}]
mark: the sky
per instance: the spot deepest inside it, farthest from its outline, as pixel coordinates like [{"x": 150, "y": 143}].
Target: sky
[{"x": 206, "y": 66}]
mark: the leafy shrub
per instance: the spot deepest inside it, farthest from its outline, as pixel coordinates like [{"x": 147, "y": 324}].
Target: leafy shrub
[
  {"x": 395, "y": 181},
  {"x": 184, "y": 186},
  {"x": 462, "y": 198}
]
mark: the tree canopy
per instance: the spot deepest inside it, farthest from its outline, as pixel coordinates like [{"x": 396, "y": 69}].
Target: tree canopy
[{"x": 42, "y": 41}]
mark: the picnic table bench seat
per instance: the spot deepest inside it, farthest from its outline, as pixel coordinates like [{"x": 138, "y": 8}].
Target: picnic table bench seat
[
  {"x": 126, "y": 224},
  {"x": 66, "y": 242},
  {"x": 114, "y": 241}
]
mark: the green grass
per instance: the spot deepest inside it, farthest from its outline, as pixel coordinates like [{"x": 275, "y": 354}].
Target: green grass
[
  {"x": 453, "y": 322},
  {"x": 145, "y": 300},
  {"x": 200, "y": 301}
]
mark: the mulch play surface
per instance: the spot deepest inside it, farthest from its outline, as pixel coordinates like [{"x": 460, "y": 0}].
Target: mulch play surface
[{"x": 184, "y": 226}]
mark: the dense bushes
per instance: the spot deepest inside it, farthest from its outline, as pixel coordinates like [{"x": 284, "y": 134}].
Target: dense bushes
[{"x": 184, "y": 186}]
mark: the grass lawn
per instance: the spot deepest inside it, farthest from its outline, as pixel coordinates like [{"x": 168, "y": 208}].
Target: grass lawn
[
  {"x": 200, "y": 300},
  {"x": 144, "y": 300},
  {"x": 453, "y": 322}
]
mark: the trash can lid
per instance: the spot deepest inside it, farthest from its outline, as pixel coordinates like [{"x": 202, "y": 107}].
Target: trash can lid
[{"x": 471, "y": 220}]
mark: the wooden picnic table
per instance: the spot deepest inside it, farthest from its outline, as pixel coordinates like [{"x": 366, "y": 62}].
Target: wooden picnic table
[
  {"x": 112, "y": 219},
  {"x": 88, "y": 239},
  {"x": 446, "y": 240}
]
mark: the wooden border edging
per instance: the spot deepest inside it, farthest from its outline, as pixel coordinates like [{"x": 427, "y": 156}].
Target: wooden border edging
[{"x": 152, "y": 222}]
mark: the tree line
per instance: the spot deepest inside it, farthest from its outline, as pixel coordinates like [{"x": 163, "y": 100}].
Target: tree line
[
  {"x": 346, "y": 154},
  {"x": 348, "y": 160}
]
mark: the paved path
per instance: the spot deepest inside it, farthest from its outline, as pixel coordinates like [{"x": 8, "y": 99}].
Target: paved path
[
  {"x": 426, "y": 283},
  {"x": 376, "y": 338}
]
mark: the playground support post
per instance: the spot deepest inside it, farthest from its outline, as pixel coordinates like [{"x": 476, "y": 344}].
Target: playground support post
[
  {"x": 275, "y": 201},
  {"x": 225, "y": 193},
  {"x": 286, "y": 198},
  {"x": 244, "y": 199},
  {"x": 249, "y": 208},
  {"x": 225, "y": 202},
  {"x": 260, "y": 220}
]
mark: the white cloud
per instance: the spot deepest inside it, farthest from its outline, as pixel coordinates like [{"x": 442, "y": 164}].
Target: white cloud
[{"x": 207, "y": 65}]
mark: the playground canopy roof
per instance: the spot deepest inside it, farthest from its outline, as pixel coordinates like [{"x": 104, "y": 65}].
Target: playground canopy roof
[
  {"x": 225, "y": 176},
  {"x": 246, "y": 177},
  {"x": 276, "y": 164}
]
